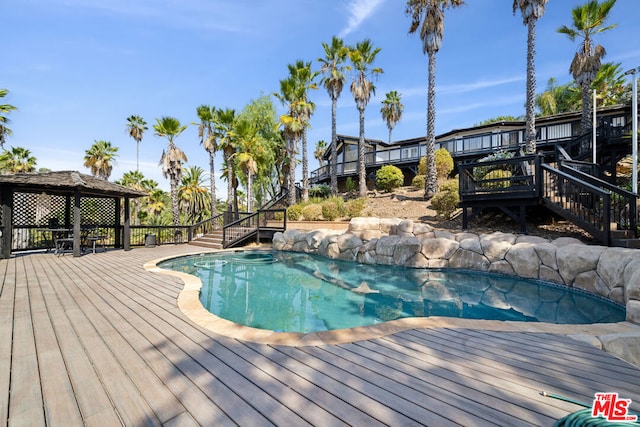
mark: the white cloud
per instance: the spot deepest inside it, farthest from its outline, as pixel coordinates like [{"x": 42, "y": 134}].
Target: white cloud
[{"x": 359, "y": 11}]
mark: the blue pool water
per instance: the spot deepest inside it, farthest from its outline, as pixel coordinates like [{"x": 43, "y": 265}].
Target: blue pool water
[{"x": 295, "y": 292}]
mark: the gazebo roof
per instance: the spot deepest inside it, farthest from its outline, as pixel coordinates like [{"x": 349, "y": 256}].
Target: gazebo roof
[{"x": 66, "y": 182}]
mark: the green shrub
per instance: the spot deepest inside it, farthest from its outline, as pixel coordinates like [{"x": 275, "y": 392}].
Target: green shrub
[
  {"x": 350, "y": 185},
  {"x": 389, "y": 177},
  {"x": 451, "y": 185},
  {"x": 278, "y": 216},
  {"x": 480, "y": 171},
  {"x": 321, "y": 191},
  {"x": 294, "y": 212},
  {"x": 444, "y": 163},
  {"x": 445, "y": 203},
  {"x": 422, "y": 166},
  {"x": 500, "y": 174},
  {"x": 418, "y": 182},
  {"x": 312, "y": 212},
  {"x": 330, "y": 210},
  {"x": 354, "y": 207}
]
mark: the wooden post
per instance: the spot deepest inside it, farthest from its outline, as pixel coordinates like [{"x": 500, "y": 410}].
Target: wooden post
[
  {"x": 126, "y": 234},
  {"x": 117, "y": 224},
  {"x": 6, "y": 198},
  {"x": 77, "y": 250}
]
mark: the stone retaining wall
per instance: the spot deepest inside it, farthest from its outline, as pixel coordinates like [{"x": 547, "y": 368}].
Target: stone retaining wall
[{"x": 613, "y": 273}]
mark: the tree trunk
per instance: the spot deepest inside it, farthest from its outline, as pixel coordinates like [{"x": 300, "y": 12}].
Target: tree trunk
[
  {"x": 305, "y": 167},
  {"x": 333, "y": 163},
  {"x": 229, "y": 181},
  {"x": 585, "y": 120},
  {"x": 431, "y": 180},
  {"x": 362, "y": 172},
  {"x": 291, "y": 143},
  {"x": 212, "y": 179},
  {"x": 530, "y": 132}
]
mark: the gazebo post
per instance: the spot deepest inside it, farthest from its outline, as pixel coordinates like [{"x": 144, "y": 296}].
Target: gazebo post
[
  {"x": 117, "y": 242},
  {"x": 77, "y": 250},
  {"x": 126, "y": 234},
  {"x": 6, "y": 198}
]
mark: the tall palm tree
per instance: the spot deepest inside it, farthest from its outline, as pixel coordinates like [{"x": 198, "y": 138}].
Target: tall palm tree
[
  {"x": 558, "y": 98},
  {"x": 155, "y": 202},
  {"x": 193, "y": 195},
  {"x": 99, "y": 158},
  {"x": 588, "y": 20},
  {"x": 4, "y": 109},
  {"x": 428, "y": 16},
  {"x": 209, "y": 140},
  {"x": 293, "y": 125},
  {"x": 171, "y": 160},
  {"x": 392, "y": 110},
  {"x": 334, "y": 78},
  {"x": 250, "y": 151},
  {"x": 136, "y": 126},
  {"x": 610, "y": 84},
  {"x": 224, "y": 121},
  {"x": 321, "y": 147},
  {"x": 17, "y": 160},
  {"x": 531, "y": 11},
  {"x": 362, "y": 57},
  {"x": 304, "y": 78}
]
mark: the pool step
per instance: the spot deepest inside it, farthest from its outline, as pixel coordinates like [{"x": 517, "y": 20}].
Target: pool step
[{"x": 211, "y": 240}]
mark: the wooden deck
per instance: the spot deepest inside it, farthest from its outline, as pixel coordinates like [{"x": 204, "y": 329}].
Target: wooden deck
[{"x": 97, "y": 340}]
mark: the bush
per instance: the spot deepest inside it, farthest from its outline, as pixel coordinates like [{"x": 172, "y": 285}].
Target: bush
[
  {"x": 498, "y": 174},
  {"x": 350, "y": 185},
  {"x": 422, "y": 166},
  {"x": 445, "y": 203},
  {"x": 321, "y": 191},
  {"x": 278, "y": 216},
  {"x": 294, "y": 212},
  {"x": 480, "y": 171},
  {"x": 389, "y": 177},
  {"x": 444, "y": 163},
  {"x": 418, "y": 182},
  {"x": 354, "y": 207},
  {"x": 330, "y": 210},
  {"x": 312, "y": 212}
]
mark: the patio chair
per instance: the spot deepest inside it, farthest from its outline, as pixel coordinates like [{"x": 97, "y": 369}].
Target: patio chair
[{"x": 95, "y": 238}]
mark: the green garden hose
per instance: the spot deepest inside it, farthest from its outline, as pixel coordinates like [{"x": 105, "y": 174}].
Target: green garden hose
[{"x": 583, "y": 417}]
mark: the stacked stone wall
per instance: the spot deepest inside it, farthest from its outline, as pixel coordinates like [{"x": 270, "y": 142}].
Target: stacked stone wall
[{"x": 612, "y": 273}]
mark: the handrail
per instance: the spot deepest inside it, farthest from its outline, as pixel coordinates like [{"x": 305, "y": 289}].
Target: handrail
[
  {"x": 202, "y": 227},
  {"x": 244, "y": 228},
  {"x": 581, "y": 202},
  {"x": 624, "y": 206}
]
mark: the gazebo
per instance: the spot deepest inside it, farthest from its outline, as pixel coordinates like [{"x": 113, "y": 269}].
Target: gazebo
[{"x": 29, "y": 201}]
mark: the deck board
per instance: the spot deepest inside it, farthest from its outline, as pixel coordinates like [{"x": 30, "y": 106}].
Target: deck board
[{"x": 98, "y": 340}]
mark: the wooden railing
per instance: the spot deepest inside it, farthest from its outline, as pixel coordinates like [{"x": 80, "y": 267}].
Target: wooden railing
[
  {"x": 582, "y": 203},
  {"x": 206, "y": 226},
  {"x": 251, "y": 225}
]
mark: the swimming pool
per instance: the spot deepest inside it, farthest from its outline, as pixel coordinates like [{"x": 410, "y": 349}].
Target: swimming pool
[{"x": 297, "y": 292}]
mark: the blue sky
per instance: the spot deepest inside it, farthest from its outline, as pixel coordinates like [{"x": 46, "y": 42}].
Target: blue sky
[{"x": 76, "y": 69}]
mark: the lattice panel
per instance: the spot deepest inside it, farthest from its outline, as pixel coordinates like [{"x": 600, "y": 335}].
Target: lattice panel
[
  {"x": 97, "y": 211},
  {"x": 37, "y": 209}
]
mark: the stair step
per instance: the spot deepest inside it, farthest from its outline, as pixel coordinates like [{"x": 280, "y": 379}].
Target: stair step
[{"x": 202, "y": 244}]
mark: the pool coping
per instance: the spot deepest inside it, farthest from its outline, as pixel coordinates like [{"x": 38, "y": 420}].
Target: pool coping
[{"x": 189, "y": 303}]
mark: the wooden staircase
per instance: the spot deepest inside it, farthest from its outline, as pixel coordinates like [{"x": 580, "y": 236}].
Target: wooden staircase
[{"x": 212, "y": 240}]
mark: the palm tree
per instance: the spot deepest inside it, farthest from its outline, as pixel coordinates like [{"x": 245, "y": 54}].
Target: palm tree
[
  {"x": 558, "y": 99},
  {"x": 209, "y": 140},
  {"x": 171, "y": 160},
  {"x": 531, "y": 11},
  {"x": 588, "y": 20},
  {"x": 137, "y": 181},
  {"x": 304, "y": 79},
  {"x": 610, "y": 84},
  {"x": 17, "y": 160},
  {"x": 333, "y": 80},
  {"x": 193, "y": 195},
  {"x": 392, "y": 110},
  {"x": 250, "y": 151},
  {"x": 321, "y": 147},
  {"x": 224, "y": 121},
  {"x": 156, "y": 202},
  {"x": 4, "y": 109},
  {"x": 430, "y": 13},
  {"x": 99, "y": 158},
  {"x": 293, "y": 125},
  {"x": 136, "y": 126},
  {"x": 362, "y": 56}
]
